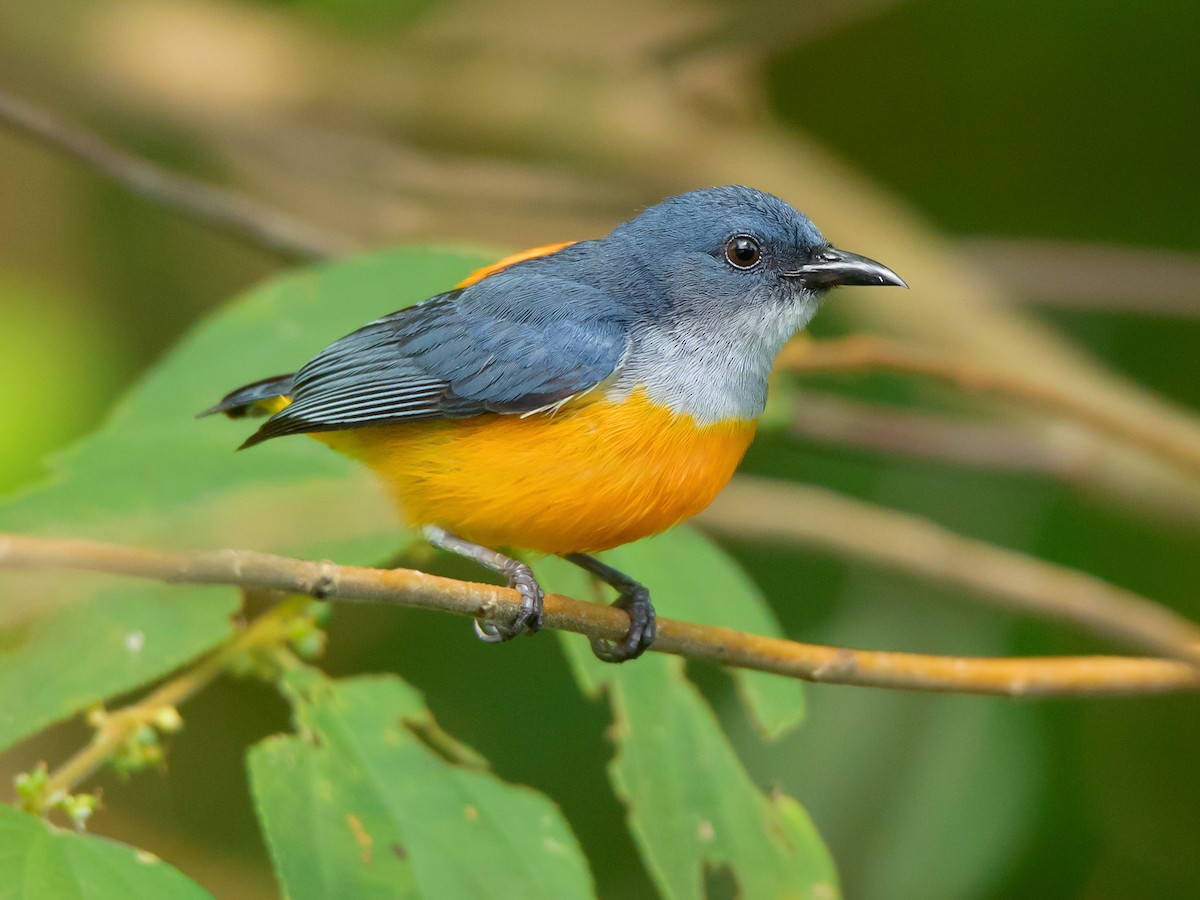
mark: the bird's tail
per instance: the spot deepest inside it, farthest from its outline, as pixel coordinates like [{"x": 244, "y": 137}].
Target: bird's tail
[{"x": 261, "y": 398}]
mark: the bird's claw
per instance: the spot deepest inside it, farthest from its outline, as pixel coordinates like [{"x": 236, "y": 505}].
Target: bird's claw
[
  {"x": 640, "y": 636},
  {"x": 527, "y": 620}
]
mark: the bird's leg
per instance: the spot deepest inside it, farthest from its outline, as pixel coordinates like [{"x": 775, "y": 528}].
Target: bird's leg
[
  {"x": 519, "y": 576},
  {"x": 634, "y": 599}
]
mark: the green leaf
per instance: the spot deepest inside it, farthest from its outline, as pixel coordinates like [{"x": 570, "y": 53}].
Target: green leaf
[
  {"x": 705, "y": 585},
  {"x": 39, "y": 861},
  {"x": 921, "y": 796},
  {"x": 693, "y": 807},
  {"x": 359, "y": 805},
  {"x": 55, "y": 665},
  {"x": 152, "y": 472},
  {"x": 154, "y": 475}
]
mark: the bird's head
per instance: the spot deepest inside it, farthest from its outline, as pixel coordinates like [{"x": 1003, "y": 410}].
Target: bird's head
[{"x": 722, "y": 251}]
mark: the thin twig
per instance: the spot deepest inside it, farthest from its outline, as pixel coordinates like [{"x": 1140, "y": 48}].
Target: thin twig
[
  {"x": 831, "y": 418},
  {"x": 861, "y": 353},
  {"x": 1092, "y": 276},
  {"x": 1046, "y": 676},
  {"x": 767, "y": 509},
  {"x": 120, "y": 725},
  {"x": 216, "y": 207}
]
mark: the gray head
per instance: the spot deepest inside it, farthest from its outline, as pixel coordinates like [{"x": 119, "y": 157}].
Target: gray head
[
  {"x": 718, "y": 280},
  {"x": 737, "y": 245}
]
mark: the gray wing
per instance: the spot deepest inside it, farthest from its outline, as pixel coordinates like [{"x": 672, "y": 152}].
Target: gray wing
[{"x": 512, "y": 343}]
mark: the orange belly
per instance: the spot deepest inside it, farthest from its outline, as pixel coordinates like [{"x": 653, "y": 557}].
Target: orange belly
[{"x": 588, "y": 477}]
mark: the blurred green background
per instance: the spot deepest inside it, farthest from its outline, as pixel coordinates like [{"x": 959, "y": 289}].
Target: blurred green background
[{"x": 1065, "y": 127}]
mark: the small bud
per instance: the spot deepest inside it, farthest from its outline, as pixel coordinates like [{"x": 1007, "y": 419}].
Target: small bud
[
  {"x": 311, "y": 645},
  {"x": 145, "y": 736},
  {"x": 78, "y": 808},
  {"x": 320, "y": 612},
  {"x": 31, "y": 785},
  {"x": 168, "y": 720},
  {"x": 139, "y": 751}
]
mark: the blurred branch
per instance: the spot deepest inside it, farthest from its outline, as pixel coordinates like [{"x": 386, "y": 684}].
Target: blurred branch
[
  {"x": 764, "y": 29},
  {"x": 876, "y": 427},
  {"x": 1048, "y": 676},
  {"x": 216, "y": 207},
  {"x": 696, "y": 128},
  {"x": 1146, "y": 431},
  {"x": 557, "y": 99},
  {"x": 767, "y": 509},
  {"x": 1078, "y": 275}
]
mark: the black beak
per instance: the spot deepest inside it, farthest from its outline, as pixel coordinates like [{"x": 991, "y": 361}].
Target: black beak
[{"x": 836, "y": 268}]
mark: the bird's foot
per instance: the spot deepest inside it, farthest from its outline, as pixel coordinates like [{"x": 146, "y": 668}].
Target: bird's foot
[
  {"x": 635, "y": 602},
  {"x": 528, "y": 618},
  {"x": 634, "y": 599},
  {"x": 520, "y": 577}
]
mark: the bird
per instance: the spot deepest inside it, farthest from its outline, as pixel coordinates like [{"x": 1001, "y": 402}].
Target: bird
[{"x": 574, "y": 397}]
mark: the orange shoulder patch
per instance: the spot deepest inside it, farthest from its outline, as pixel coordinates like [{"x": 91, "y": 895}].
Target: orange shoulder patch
[{"x": 480, "y": 274}]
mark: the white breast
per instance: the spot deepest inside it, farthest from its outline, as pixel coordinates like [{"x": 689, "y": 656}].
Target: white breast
[{"x": 714, "y": 369}]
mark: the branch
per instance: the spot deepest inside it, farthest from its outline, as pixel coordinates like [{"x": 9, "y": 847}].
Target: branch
[
  {"x": 767, "y": 509},
  {"x": 1046, "y": 676},
  {"x": 876, "y": 427},
  {"x": 1078, "y": 456},
  {"x": 870, "y": 354},
  {"x": 216, "y": 207},
  {"x": 1092, "y": 276},
  {"x": 116, "y": 728}
]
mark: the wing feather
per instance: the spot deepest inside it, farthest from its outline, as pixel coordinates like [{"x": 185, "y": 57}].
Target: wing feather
[{"x": 512, "y": 343}]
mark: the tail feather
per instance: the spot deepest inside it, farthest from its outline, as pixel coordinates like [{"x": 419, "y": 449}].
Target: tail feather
[{"x": 249, "y": 399}]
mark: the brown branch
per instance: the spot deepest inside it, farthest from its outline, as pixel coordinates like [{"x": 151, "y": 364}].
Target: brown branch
[
  {"x": 1091, "y": 276},
  {"x": 766, "y": 509},
  {"x": 1047, "y": 676},
  {"x": 862, "y": 353},
  {"x": 216, "y": 207},
  {"x": 830, "y": 418}
]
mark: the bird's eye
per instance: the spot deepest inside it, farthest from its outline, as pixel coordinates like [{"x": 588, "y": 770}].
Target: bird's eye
[{"x": 743, "y": 251}]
